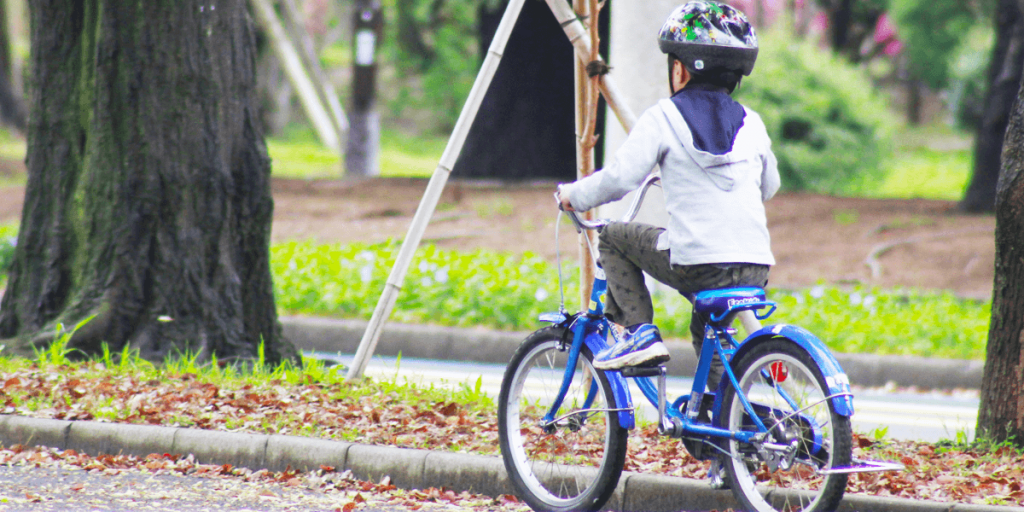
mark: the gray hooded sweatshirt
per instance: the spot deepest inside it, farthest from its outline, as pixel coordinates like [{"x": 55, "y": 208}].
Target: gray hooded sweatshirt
[{"x": 717, "y": 168}]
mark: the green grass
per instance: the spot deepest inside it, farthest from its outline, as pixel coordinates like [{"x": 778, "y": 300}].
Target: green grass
[
  {"x": 297, "y": 154},
  {"x": 928, "y": 173},
  {"x": 931, "y": 162},
  {"x": 257, "y": 376}
]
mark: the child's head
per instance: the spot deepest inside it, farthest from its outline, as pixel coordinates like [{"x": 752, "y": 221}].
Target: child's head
[{"x": 713, "y": 44}]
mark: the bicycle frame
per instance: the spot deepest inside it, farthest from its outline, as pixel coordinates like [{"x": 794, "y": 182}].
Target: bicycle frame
[{"x": 591, "y": 329}]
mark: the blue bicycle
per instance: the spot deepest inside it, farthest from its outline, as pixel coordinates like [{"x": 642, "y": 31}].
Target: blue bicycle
[{"x": 777, "y": 429}]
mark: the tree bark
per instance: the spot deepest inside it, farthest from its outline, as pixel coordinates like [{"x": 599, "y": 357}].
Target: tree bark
[
  {"x": 148, "y": 204},
  {"x": 1001, "y": 413},
  {"x": 1004, "y": 78},
  {"x": 525, "y": 127}
]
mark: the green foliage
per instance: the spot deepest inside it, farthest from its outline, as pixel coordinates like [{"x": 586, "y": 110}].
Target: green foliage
[
  {"x": 873, "y": 321},
  {"x": 926, "y": 173},
  {"x": 931, "y": 31},
  {"x": 8, "y": 240},
  {"x": 433, "y": 47},
  {"x": 969, "y": 75},
  {"x": 506, "y": 291},
  {"x": 830, "y": 132},
  {"x": 299, "y": 154},
  {"x": 478, "y": 288},
  {"x": 867, "y": 321}
]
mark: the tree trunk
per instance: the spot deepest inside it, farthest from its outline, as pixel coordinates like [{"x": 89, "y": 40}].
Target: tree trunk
[
  {"x": 915, "y": 91},
  {"x": 148, "y": 204},
  {"x": 1001, "y": 413},
  {"x": 1004, "y": 78},
  {"x": 12, "y": 104},
  {"x": 525, "y": 128}
]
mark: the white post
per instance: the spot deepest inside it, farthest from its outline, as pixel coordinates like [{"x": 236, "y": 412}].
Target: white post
[{"x": 432, "y": 195}]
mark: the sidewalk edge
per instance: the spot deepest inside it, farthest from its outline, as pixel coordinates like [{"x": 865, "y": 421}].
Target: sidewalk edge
[{"x": 408, "y": 468}]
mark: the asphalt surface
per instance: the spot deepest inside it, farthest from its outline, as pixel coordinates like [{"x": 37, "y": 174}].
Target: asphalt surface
[
  {"x": 31, "y": 488},
  {"x": 477, "y": 345},
  {"x": 422, "y": 469}
]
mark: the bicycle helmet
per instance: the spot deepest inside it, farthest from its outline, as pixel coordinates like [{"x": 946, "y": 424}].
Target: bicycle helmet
[{"x": 707, "y": 35}]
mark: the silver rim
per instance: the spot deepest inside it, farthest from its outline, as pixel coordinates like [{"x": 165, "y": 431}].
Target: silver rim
[
  {"x": 552, "y": 475},
  {"x": 805, "y": 490}
]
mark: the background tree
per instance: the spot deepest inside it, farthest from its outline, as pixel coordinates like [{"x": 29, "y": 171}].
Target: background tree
[
  {"x": 12, "y": 104},
  {"x": 1001, "y": 413},
  {"x": 1004, "y": 78},
  {"x": 930, "y": 31},
  {"x": 148, "y": 201},
  {"x": 852, "y": 25}
]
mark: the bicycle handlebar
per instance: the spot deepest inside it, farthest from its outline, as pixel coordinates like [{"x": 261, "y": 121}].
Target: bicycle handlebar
[{"x": 634, "y": 207}]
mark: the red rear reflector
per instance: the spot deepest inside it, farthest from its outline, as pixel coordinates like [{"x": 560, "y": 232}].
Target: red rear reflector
[{"x": 778, "y": 371}]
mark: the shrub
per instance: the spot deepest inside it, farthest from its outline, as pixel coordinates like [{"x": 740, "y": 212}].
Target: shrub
[
  {"x": 8, "y": 239},
  {"x": 830, "y": 132}
]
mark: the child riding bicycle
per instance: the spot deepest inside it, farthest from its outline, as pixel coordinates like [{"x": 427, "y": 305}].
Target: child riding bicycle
[{"x": 717, "y": 168}]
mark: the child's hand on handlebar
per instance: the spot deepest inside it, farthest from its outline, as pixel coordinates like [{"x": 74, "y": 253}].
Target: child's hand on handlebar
[{"x": 563, "y": 200}]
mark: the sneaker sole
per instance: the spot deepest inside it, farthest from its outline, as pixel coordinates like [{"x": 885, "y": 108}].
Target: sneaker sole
[{"x": 650, "y": 356}]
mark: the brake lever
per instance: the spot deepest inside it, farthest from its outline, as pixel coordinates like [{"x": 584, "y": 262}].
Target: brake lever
[{"x": 571, "y": 213}]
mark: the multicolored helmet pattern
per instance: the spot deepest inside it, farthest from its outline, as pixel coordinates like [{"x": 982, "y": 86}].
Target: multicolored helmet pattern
[{"x": 706, "y": 33}]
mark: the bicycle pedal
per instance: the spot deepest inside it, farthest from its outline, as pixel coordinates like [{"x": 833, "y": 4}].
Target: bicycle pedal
[{"x": 642, "y": 371}]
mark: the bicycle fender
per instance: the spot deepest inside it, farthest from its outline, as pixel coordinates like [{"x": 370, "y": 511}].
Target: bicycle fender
[
  {"x": 618, "y": 383},
  {"x": 835, "y": 378}
]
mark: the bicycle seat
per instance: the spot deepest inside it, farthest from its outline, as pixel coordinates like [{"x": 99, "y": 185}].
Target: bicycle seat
[{"x": 721, "y": 305}]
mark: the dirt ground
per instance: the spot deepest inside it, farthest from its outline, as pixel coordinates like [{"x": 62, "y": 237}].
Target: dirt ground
[{"x": 921, "y": 244}]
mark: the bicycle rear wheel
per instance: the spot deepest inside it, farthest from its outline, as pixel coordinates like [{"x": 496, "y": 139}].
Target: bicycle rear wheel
[
  {"x": 574, "y": 462},
  {"x": 789, "y": 395}
]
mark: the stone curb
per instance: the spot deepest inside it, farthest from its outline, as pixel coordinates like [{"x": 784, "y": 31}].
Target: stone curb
[
  {"x": 408, "y": 468},
  {"x": 484, "y": 346}
]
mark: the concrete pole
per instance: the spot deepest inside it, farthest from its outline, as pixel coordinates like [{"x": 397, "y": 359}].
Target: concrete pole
[{"x": 362, "y": 149}]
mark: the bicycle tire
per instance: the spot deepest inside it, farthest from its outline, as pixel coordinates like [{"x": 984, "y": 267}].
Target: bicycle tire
[
  {"x": 761, "y": 373},
  {"x": 577, "y": 464}
]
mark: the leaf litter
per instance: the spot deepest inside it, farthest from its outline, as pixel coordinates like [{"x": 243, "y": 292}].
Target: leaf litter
[{"x": 944, "y": 472}]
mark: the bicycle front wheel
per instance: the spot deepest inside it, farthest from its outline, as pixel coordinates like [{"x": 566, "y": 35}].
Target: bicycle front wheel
[
  {"x": 788, "y": 393},
  {"x": 571, "y": 461}
]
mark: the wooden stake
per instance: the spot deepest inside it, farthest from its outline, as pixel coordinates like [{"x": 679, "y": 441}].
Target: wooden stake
[{"x": 587, "y": 94}]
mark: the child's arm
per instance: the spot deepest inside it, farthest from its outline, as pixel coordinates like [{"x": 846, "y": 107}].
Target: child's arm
[
  {"x": 770, "y": 181},
  {"x": 634, "y": 160}
]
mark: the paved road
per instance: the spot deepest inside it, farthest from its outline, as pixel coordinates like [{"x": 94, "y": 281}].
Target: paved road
[
  {"x": 903, "y": 415},
  {"x": 32, "y": 488},
  {"x": 51, "y": 488}
]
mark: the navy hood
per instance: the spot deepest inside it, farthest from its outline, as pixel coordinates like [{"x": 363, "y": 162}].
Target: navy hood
[{"x": 713, "y": 116}]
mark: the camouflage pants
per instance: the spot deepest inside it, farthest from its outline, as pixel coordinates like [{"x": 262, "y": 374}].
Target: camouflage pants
[{"x": 629, "y": 249}]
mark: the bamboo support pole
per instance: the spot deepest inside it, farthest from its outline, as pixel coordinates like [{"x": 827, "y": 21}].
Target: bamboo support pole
[
  {"x": 328, "y": 94},
  {"x": 432, "y": 195},
  {"x": 293, "y": 68}
]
